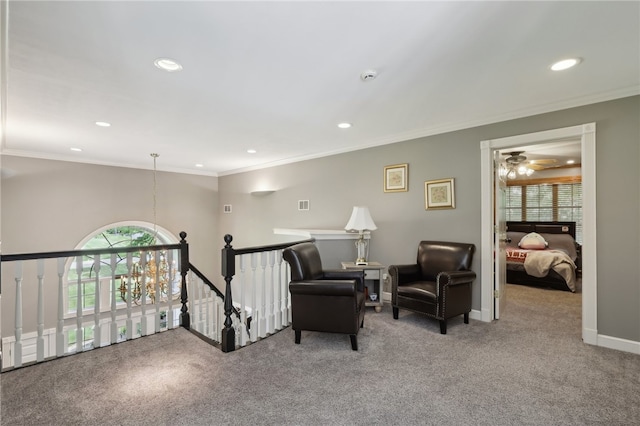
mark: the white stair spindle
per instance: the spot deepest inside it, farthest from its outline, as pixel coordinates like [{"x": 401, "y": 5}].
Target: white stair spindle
[
  {"x": 273, "y": 290},
  {"x": 96, "y": 307},
  {"x": 143, "y": 294},
  {"x": 129, "y": 323},
  {"x": 263, "y": 289},
  {"x": 79, "y": 306},
  {"x": 172, "y": 273},
  {"x": 60, "y": 346},
  {"x": 243, "y": 301},
  {"x": 158, "y": 293},
  {"x": 114, "y": 324},
  {"x": 40, "y": 340},
  {"x": 17, "y": 352},
  {"x": 255, "y": 317}
]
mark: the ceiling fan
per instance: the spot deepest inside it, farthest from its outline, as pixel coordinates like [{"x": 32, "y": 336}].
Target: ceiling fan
[
  {"x": 515, "y": 158},
  {"x": 517, "y": 164}
]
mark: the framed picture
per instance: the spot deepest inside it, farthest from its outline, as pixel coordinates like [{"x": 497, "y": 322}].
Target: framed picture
[
  {"x": 439, "y": 194},
  {"x": 396, "y": 178}
]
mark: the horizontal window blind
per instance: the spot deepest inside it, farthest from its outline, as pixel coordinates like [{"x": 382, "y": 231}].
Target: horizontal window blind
[{"x": 546, "y": 202}]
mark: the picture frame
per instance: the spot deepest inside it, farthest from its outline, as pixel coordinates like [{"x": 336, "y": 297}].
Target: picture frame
[
  {"x": 396, "y": 178},
  {"x": 439, "y": 194}
]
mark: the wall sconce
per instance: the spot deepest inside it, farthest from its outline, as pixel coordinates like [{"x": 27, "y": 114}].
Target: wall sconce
[{"x": 262, "y": 193}]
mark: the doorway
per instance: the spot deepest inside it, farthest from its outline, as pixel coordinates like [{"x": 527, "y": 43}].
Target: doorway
[{"x": 586, "y": 134}]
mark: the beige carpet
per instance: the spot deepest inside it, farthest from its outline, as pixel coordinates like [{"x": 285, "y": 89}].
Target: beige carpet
[{"x": 529, "y": 368}]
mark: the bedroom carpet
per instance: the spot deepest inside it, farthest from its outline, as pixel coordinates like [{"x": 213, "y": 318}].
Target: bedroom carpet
[{"x": 528, "y": 368}]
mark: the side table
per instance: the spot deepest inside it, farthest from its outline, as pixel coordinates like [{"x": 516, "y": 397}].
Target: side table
[{"x": 372, "y": 281}]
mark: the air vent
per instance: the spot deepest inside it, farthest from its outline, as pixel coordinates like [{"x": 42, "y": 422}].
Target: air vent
[
  {"x": 227, "y": 208},
  {"x": 303, "y": 205}
]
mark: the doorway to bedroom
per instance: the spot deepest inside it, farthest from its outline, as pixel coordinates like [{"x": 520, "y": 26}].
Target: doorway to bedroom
[{"x": 535, "y": 208}]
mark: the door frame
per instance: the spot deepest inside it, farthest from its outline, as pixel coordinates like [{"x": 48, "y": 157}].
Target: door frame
[{"x": 587, "y": 135}]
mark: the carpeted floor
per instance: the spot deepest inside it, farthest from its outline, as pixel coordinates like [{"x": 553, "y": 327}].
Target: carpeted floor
[{"x": 528, "y": 368}]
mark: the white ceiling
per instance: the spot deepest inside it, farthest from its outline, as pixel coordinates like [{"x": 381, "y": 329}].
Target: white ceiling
[{"x": 278, "y": 76}]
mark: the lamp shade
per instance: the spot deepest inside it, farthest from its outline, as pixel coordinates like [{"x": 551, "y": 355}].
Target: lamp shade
[{"x": 360, "y": 220}]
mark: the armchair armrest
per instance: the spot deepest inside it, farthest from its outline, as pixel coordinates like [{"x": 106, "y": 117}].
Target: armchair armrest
[
  {"x": 345, "y": 274},
  {"x": 449, "y": 278},
  {"x": 324, "y": 287},
  {"x": 404, "y": 273}
]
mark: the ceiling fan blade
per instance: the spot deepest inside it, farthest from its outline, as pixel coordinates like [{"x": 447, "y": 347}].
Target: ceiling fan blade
[
  {"x": 536, "y": 167},
  {"x": 544, "y": 161}
]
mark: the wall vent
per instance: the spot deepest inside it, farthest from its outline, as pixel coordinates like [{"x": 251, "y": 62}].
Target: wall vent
[
  {"x": 227, "y": 208},
  {"x": 303, "y": 205}
]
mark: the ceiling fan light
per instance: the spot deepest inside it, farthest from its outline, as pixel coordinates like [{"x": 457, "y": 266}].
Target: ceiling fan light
[
  {"x": 530, "y": 172},
  {"x": 511, "y": 174},
  {"x": 522, "y": 170}
]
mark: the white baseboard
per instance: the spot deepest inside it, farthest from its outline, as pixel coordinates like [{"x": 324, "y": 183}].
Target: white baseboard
[{"x": 616, "y": 343}]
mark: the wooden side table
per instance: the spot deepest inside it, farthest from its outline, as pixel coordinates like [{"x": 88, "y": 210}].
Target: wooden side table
[{"x": 372, "y": 281}]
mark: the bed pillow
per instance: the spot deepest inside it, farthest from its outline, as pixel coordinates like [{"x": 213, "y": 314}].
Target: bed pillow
[
  {"x": 533, "y": 241},
  {"x": 564, "y": 242}
]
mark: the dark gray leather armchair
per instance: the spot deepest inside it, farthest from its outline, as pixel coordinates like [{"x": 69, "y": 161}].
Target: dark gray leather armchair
[
  {"x": 324, "y": 300},
  {"x": 438, "y": 284}
]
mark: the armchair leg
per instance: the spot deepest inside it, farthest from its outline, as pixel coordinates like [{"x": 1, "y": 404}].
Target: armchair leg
[
  {"x": 395, "y": 312},
  {"x": 443, "y": 326},
  {"x": 354, "y": 342},
  {"x": 298, "y": 335},
  {"x": 466, "y": 318}
]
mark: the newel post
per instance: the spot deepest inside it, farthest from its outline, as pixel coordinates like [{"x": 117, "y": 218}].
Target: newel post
[
  {"x": 185, "y": 320},
  {"x": 228, "y": 271}
]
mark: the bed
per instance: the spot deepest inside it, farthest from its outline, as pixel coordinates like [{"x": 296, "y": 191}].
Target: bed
[{"x": 543, "y": 254}]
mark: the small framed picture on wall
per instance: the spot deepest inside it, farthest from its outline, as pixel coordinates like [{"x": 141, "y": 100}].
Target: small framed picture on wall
[
  {"x": 439, "y": 194},
  {"x": 396, "y": 178}
]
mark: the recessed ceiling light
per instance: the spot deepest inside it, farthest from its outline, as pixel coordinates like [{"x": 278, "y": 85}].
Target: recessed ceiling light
[
  {"x": 251, "y": 151},
  {"x": 76, "y": 149},
  {"x": 102, "y": 124},
  {"x": 167, "y": 64},
  {"x": 344, "y": 125},
  {"x": 565, "y": 64},
  {"x": 571, "y": 161},
  {"x": 199, "y": 165}
]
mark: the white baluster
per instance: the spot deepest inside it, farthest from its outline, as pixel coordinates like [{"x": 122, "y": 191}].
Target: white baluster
[
  {"x": 17, "y": 352},
  {"x": 255, "y": 317},
  {"x": 60, "y": 346},
  {"x": 129, "y": 326},
  {"x": 272, "y": 290},
  {"x": 114, "y": 289},
  {"x": 264, "y": 326},
  {"x": 143, "y": 294},
  {"x": 79, "y": 307},
  {"x": 97, "y": 334},
  {"x": 280, "y": 305},
  {"x": 40, "y": 341},
  {"x": 158, "y": 294},
  {"x": 243, "y": 301},
  {"x": 172, "y": 271},
  {"x": 207, "y": 320}
]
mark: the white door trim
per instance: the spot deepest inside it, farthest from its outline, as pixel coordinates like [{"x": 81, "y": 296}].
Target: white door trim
[{"x": 587, "y": 135}]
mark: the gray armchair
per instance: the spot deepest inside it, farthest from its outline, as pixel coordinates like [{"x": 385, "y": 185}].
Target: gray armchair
[
  {"x": 324, "y": 300},
  {"x": 438, "y": 284}
]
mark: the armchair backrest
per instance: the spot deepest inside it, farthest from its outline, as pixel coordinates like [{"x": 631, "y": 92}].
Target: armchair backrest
[
  {"x": 304, "y": 260},
  {"x": 438, "y": 256}
]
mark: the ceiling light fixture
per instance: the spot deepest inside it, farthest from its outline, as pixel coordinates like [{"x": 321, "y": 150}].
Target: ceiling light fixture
[
  {"x": 199, "y": 165},
  {"x": 167, "y": 64},
  {"x": 344, "y": 125},
  {"x": 565, "y": 64},
  {"x": 571, "y": 161},
  {"x": 103, "y": 124},
  {"x": 76, "y": 149},
  {"x": 251, "y": 151}
]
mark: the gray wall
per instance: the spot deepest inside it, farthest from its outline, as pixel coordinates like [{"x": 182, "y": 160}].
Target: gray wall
[
  {"x": 335, "y": 184},
  {"x": 53, "y": 205}
]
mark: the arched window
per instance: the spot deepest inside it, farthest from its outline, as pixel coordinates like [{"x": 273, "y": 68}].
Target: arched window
[{"x": 81, "y": 278}]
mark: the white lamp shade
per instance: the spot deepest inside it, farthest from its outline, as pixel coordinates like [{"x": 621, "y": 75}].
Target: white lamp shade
[{"x": 360, "y": 220}]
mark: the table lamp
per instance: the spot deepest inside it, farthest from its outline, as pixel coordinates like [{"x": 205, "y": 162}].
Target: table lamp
[{"x": 361, "y": 221}]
